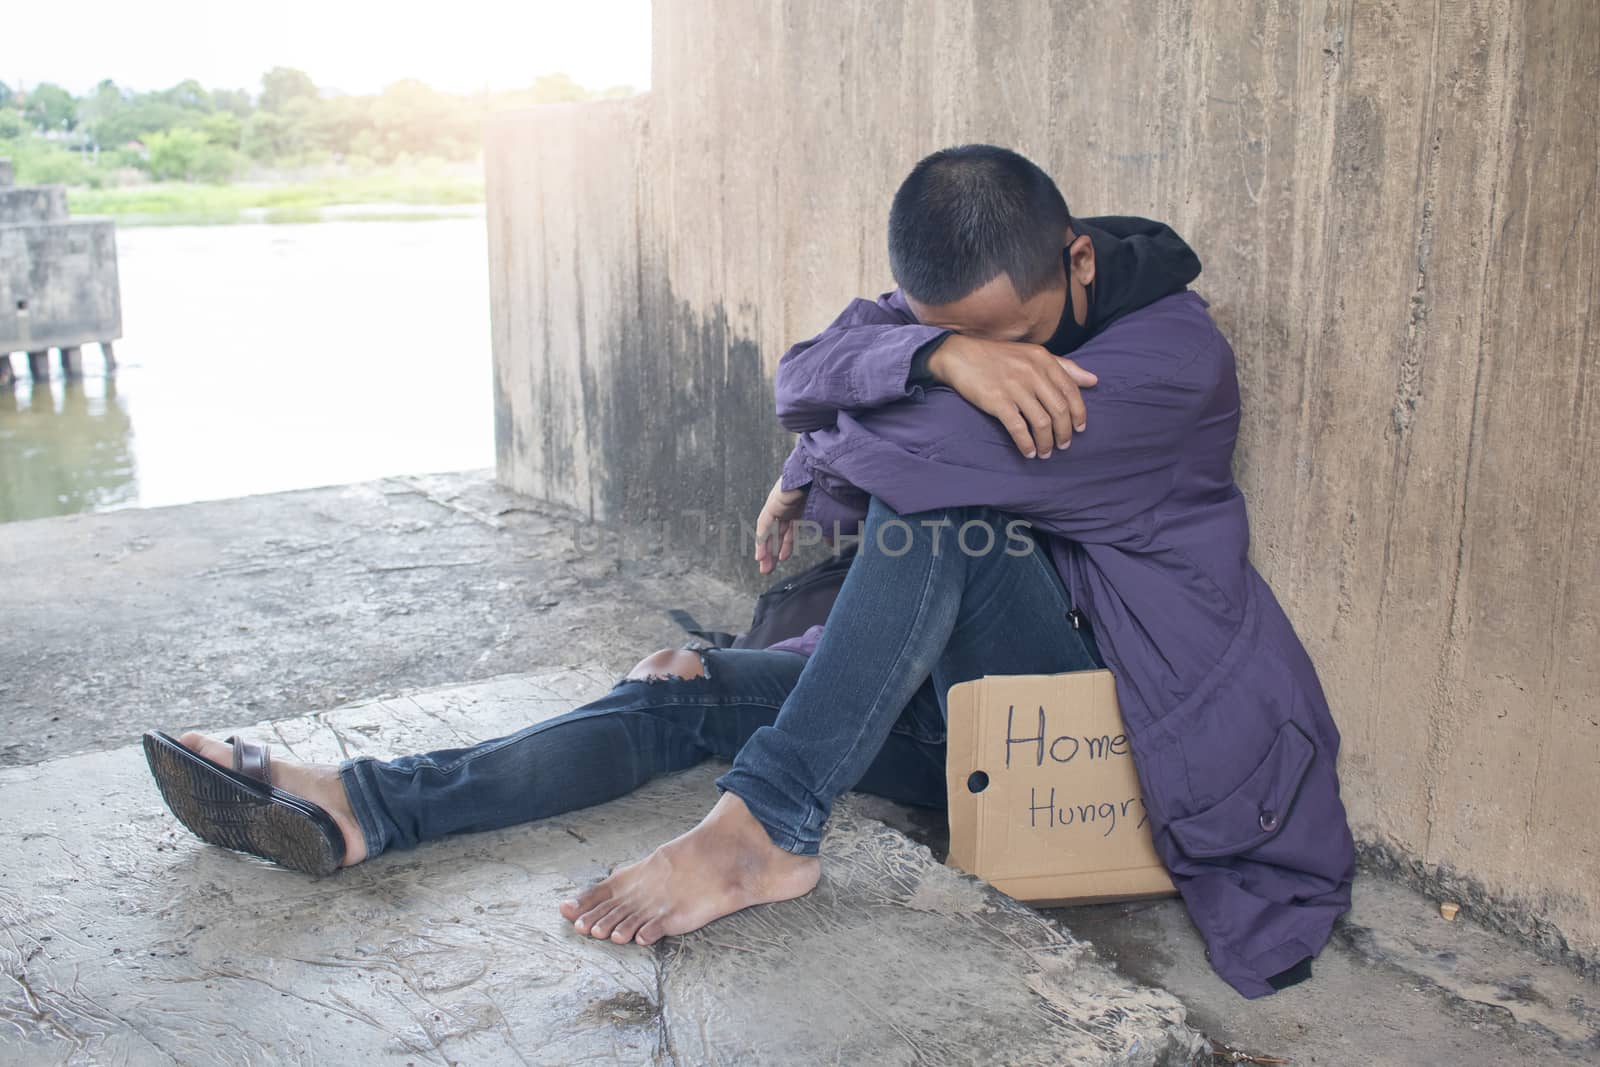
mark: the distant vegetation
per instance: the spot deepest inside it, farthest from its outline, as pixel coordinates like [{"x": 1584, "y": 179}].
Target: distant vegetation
[{"x": 169, "y": 153}]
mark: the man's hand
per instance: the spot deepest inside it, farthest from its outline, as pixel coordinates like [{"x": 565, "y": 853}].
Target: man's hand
[
  {"x": 1034, "y": 394},
  {"x": 775, "y": 525}
]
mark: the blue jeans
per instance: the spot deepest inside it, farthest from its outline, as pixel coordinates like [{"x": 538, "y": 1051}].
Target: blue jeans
[{"x": 925, "y": 605}]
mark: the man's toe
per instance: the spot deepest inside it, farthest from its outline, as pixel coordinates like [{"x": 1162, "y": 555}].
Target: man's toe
[
  {"x": 602, "y": 926},
  {"x": 201, "y": 745},
  {"x": 590, "y": 899},
  {"x": 652, "y": 931},
  {"x": 629, "y": 926},
  {"x": 586, "y": 922}
]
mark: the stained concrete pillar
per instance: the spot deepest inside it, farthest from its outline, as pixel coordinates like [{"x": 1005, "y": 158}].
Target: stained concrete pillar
[
  {"x": 58, "y": 276},
  {"x": 39, "y": 365},
  {"x": 108, "y": 353},
  {"x": 71, "y": 361},
  {"x": 1395, "y": 436},
  {"x": 8, "y": 374}
]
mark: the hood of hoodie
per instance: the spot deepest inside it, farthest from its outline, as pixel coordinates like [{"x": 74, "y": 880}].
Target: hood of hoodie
[{"x": 1137, "y": 262}]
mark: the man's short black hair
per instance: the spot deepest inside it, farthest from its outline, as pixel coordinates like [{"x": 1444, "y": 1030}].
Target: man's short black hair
[{"x": 964, "y": 215}]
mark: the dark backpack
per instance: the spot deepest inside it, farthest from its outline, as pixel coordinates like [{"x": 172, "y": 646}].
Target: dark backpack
[{"x": 788, "y": 609}]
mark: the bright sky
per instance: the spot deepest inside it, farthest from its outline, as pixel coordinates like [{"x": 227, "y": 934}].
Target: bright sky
[{"x": 358, "y": 46}]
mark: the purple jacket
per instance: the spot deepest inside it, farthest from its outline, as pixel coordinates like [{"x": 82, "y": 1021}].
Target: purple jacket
[{"x": 1229, "y": 728}]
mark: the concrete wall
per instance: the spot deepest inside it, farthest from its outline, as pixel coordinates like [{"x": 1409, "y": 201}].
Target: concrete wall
[{"x": 1396, "y": 206}]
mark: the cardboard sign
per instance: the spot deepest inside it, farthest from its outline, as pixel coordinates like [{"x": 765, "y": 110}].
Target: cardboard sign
[{"x": 1045, "y": 804}]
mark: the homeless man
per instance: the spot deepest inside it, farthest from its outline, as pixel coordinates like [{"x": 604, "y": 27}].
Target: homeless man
[{"x": 945, "y": 403}]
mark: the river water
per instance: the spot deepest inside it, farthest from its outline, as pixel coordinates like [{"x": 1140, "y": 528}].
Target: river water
[{"x": 261, "y": 358}]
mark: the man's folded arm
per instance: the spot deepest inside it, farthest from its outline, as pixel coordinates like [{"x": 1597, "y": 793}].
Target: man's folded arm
[
  {"x": 941, "y": 452},
  {"x": 865, "y": 359}
]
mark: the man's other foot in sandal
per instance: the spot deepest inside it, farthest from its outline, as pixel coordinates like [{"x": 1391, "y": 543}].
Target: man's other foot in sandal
[{"x": 317, "y": 782}]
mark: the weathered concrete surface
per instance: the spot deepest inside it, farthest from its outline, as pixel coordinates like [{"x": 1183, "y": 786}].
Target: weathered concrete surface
[
  {"x": 270, "y": 606},
  {"x": 129, "y": 941},
  {"x": 612, "y": 395},
  {"x": 58, "y": 284},
  {"x": 1396, "y": 986},
  {"x": 1396, "y": 205},
  {"x": 32, "y": 203}
]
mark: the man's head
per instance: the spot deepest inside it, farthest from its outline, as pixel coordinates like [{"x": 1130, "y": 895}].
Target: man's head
[{"x": 976, "y": 235}]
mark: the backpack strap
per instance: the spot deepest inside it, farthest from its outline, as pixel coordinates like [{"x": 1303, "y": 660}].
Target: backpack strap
[{"x": 711, "y": 638}]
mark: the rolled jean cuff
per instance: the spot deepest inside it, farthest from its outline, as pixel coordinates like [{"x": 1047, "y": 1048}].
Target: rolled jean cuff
[
  {"x": 358, "y": 792},
  {"x": 775, "y": 812}
]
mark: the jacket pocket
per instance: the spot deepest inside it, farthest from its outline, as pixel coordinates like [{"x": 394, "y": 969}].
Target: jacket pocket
[{"x": 1253, "y": 812}]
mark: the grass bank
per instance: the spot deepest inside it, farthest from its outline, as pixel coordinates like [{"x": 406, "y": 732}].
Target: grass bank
[{"x": 192, "y": 204}]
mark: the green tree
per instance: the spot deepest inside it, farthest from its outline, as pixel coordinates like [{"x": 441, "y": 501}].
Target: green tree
[
  {"x": 51, "y": 107},
  {"x": 552, "y": 89},
  {"x": 301, "y": 124},
  {"x": 331, "y": 125},
  {"x": 5, "y": 95},
  {"x": 42, "y": 162},
  {"x": 189, "y": 95},
  {"x": 100, "y": 111},
  {"x": 268, "y": 137},
  {"x": 173, "y": 153},
  {"x": 280, "y": 85},
  {"x": 144, "y": 114},
  {"x": 184, "y": 154},
  {"x": 557, "y": 89},
  {"x": 236, "y": 101},
  {"x": 216, "y": 164},
  {"x": 193, "y": 134},
  {"x": 415, "y": 119},
  {"x": 221, "y": 128}
]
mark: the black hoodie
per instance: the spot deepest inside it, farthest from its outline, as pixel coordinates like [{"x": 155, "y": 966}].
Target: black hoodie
[{"x": 1137, "y": 262}]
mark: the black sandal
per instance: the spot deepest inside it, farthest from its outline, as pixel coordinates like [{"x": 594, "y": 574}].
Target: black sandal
[{"x": 241, "y": 809}]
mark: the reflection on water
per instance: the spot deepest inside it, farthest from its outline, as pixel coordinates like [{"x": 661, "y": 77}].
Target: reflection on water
[
  {"x": 64, "y": 447},
  {"x": 256, "y": 359}
]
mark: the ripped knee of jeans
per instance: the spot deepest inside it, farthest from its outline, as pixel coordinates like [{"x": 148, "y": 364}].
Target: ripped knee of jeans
[{"x": 669, "y": 665}]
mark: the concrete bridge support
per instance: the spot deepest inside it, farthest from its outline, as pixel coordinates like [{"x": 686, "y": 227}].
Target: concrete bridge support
[{"x": 1397, "y": 209}]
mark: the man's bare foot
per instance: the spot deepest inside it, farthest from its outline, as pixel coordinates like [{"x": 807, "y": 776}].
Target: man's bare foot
[
  {"x": 724, "y": 865},
  {"x": 316, "y": 782}
]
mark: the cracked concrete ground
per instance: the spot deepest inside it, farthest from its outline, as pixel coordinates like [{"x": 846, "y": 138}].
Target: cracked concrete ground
[
  {"x": 264, "y": 609},
  {"x": 1397, "y": 985},
  {"x": 270, "y": 606},
  {"x": 129, "y": 941}
]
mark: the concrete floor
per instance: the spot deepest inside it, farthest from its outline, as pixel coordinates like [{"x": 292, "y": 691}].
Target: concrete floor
[
  {"x": 270, "y": 606},
  {"x": 1398, "y": 985},
  {"x": 127, "y": 939},
  {"x": 131, "y": 942}
]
